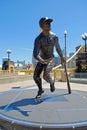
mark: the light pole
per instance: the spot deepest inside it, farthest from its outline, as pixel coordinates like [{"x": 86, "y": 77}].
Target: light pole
[
  {"x": 8, "y": 52},
  {"x": 84, "y": 37},
  {"x": 65, "y": 33}
]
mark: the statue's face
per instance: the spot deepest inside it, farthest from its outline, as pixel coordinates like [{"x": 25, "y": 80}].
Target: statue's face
[{"x": 46, "y": 27}]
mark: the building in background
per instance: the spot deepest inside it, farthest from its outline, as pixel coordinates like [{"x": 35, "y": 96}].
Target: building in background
[
  {"x": 72, "y": 63},
  {"x": 78, "y": 47},
  {"x": 71, "y": 54},
  {"x": 7, "y": 65},
  {"x": 81, "y": 61},
  {"x": 20, "y": 64}
]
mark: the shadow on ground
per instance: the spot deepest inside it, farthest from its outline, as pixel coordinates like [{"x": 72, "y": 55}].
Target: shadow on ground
[{"x": 17, "y": 106}]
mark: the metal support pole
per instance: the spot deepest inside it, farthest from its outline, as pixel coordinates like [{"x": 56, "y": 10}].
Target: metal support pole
[
  {"x": 85, "y": 45},
  {"x": 65, "y": 33},
  {"x": 65, "y": 47}
]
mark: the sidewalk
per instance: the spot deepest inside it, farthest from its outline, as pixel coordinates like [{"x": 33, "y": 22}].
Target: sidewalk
[
  {"x": 27, "y": 83},
  {"x": 21, "y": 84}
]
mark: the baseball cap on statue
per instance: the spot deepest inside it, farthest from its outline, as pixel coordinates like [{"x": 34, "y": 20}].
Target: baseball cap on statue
[{"x": 43, "y": 20}]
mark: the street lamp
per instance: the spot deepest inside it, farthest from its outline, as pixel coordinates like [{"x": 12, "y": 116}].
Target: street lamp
[
  {"x": 8, "y": 52},
  {"x": 84, "y": 37},
  {"x": 65, "y": 33}
]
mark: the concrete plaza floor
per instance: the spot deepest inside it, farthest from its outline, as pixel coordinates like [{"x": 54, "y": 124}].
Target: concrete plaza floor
[
  {"x": 58, "y": 110},
  {"x": 30, "y": 82}
]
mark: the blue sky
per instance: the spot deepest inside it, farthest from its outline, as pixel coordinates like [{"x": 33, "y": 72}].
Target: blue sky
[{"x": 19, "y": 24}]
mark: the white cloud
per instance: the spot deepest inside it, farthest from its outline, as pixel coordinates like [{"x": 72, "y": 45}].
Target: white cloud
[{"x": 27, "y": 49}]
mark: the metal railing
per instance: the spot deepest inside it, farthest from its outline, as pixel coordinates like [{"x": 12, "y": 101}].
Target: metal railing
[
  {"x": 19, "y": 71},
  {"x": 59, "y": 74}
]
